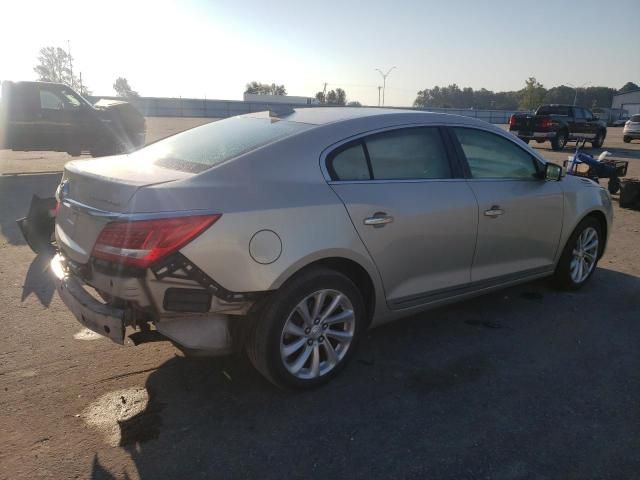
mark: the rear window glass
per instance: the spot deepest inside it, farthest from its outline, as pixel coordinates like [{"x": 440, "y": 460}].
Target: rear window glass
[
  {"x": 635, "y": 118},
  {"x": 201, "y": 148},
  {"x": 554, "y": 110}
]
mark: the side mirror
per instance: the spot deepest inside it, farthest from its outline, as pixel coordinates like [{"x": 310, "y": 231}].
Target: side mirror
[{"x": 552, "y": 172}]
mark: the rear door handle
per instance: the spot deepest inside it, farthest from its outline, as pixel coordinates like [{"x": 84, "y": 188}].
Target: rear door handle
[
  {"x": 493, "y": 212},
  {"x": 379, "y": 219}
]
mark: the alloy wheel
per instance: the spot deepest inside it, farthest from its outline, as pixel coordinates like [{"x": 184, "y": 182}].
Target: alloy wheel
[
  {"x": 585, "y": 254},
  {"x": 317, "y": 334}
]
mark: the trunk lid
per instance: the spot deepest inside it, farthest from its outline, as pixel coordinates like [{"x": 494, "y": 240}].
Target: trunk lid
[{"x": 94, "y": 192}]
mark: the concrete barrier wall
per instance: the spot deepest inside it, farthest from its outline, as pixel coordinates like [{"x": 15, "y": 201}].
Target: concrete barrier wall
[{"x": 196, "y": 107}]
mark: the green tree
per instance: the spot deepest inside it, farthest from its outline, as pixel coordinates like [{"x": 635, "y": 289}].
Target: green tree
[
  {"x": 265, "y": 89},
  {"x": 532, "y": 95},
  {"x": 122, "y": 88},
  {"x": 321, "y": 97},
  {"x": 561, "y": 94},
  {"x": 354, "y": 104},
  {"x": 332, "y": 97},
  {"x": 628, "y": 87},
  {"x": 54, "y": 65}
]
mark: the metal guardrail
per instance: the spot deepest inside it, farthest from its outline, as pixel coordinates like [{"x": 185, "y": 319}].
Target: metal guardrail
[{"x": 196, "y": 107}]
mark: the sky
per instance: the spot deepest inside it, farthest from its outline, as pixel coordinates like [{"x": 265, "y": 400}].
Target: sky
[{"x": 197, "y": 49}]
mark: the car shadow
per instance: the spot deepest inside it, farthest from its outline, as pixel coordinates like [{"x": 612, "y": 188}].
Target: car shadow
[
  {"x": 16, "y": 192},
  {"x": 38, "y": 281},
  {"x": 527, "y": 382}
]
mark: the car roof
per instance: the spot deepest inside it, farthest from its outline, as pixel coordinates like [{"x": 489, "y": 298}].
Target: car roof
[{"x": 327, "y": 115}]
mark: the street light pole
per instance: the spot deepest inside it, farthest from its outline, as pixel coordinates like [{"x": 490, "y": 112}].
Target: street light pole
[
  {"x": 384, "y": 80},
  {"x": 379, "y": 88}
]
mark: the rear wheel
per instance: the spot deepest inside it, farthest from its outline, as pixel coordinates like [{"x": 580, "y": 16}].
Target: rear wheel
[
  {"x": 580, "y": 255},
  {"x": 599, "y": 140},
  {"x": 626, "y": 139},
  {"x": 305, "y": 334},
  {"x": 559, "y": 141}
]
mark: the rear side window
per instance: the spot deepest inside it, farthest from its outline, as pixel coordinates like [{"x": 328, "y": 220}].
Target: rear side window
[
  {"x": 50, "y": 101},
  {"x": 635, "y": 118},
  {"x": 349, "y": 164},
  {"x": 201, "y": 148},
  {"x": 412, "y": 153},
  {"x": 403, "y": 154},
  {"x": 554, "y": 110},
  {"x": 492, "y": 156}
]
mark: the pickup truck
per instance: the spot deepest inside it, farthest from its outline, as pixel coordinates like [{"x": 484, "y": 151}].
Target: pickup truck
[
  {"x": 559, "y": 124},
  {"x": 52, "y": 116}
]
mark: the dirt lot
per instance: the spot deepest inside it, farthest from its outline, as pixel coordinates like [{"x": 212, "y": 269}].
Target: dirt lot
[{"x": 527, "y": 383}]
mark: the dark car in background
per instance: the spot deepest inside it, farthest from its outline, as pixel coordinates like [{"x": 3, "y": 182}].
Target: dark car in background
[
  {"x": 559, "y": 124},
  {"x": 52, "y": 116}
]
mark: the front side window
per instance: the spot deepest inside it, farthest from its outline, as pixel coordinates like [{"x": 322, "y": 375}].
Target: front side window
[
  {"x": 492, "y": 156},
  {"x": 579, "y": 113}
]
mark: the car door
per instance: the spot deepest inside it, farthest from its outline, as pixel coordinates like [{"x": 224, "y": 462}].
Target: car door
[
  {"x": 590, "y": 124},
  {"x": 52, "y": 124},
  {"x": 415, "y": 214},
  {"x": 520, "y": 215},
  {"x": 579, "y": 128}
]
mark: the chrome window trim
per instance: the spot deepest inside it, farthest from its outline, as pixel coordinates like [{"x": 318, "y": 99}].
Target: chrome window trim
[
  {"x": 490, "y": 129},
  {"x": 334, "y": 146},
  {"x": 128, "y": 216}
]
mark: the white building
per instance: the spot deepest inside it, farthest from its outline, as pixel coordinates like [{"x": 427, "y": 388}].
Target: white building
[
  {"x": 629, "y": 101},
  {"x": 288, "y": 99}
]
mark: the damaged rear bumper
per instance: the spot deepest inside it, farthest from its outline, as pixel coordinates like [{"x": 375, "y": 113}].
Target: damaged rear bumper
[{"x": 104, "y": 319}]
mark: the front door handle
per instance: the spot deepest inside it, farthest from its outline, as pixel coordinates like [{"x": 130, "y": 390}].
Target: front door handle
[
  {"x": 379, "y": 219},
  {"x": 493, "y": 212}
]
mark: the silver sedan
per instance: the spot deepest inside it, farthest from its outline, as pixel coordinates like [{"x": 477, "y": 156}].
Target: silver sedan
[{"x": 287, "y": 234}]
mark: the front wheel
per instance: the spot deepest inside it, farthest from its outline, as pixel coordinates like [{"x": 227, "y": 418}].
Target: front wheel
[
  {"x": 599, "y": 140},
  {"x": 580, "y": 255},
  {"x": 626, "y": 139},
  {"x": 305, "y": 334},
  {"x": 559, "y": 141}
]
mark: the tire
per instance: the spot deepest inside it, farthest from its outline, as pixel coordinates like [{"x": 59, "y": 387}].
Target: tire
[
  {"x": 74, "y": 152},
  {"x": 566, "y": 275},
  {"x": 626, "y": 139},
  {"x": 559, "y": 141},
  {"x": 599, "y": 140},
  {"x": 279, "y": 324},
  {"x": 614, "y": 185}
]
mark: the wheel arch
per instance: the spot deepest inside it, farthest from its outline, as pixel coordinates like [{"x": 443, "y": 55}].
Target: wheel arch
[
  {"x": 363, "y": 278},
  {"x": 602, "y": 220}
]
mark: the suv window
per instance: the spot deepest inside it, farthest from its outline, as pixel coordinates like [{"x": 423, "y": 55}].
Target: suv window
[
  {"x": 587, "y": 114},
  {"x": 492, "y": 156},
  {"x": 412, "y": 153},
  {"x": 50, "y": 101}
]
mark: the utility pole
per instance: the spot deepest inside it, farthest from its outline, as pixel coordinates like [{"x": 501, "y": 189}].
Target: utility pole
[
  {"x": 80, "y": 83},
  {"x": 575, "y": 97},
  {"x": 379, "y": 88},
  {"x": 384, "y": 81},
  {"x": 70, "y": 62}
]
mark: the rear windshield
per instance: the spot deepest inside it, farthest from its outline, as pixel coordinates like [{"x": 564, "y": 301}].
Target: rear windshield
[
  {"x": 635, "y": 118},
  {"x": 554, "y": 110},
  {"x": 201, "y": 148}
]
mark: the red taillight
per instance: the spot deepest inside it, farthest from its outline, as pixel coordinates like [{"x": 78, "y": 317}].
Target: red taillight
[
  {"x": 546, "y": 123},
  {"x": 141, "y": 243},
  {"x": 512, "y": 121}
]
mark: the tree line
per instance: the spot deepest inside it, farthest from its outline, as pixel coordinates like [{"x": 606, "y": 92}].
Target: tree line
[{"x": 528, "y": 98}]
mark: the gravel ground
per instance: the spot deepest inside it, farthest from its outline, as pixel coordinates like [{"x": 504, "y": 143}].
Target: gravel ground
[{"x": 526, "y": 383}]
